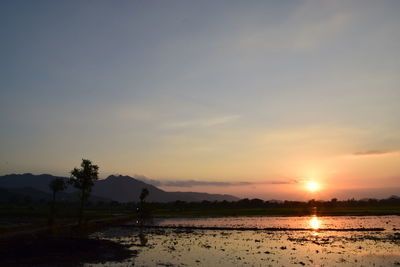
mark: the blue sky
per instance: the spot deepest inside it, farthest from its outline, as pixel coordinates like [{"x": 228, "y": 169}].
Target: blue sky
[{"x": 215, "y": 91}]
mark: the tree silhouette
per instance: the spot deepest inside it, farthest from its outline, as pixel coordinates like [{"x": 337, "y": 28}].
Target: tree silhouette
[
  {"x": 56, "y": 185},
  {"x": 143, "y": 195},
  {"x": 142, "y": 212},
  {"x": 83, "y": 179}
]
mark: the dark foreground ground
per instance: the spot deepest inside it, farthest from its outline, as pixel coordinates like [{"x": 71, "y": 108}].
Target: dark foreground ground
[
  {"x": 64, "y": 244},
  {"x": 60, "y": 251}
]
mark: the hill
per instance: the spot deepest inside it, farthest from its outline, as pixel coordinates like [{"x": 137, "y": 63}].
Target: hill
[
  {"x": 29, "y": 194},
  {"x": 119, "y": 188}
]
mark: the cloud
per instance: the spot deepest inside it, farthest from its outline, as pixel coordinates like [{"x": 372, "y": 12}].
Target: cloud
[
  {"x": 147, "y": 180},
  {"x": 291, "y": 181},
  {"x": 374, "y": 152},
  {"x": 202, "y": 123},
  {"x": 191, "y": 183},
  {"x": 307, "y": 29},
  {"x": 315, "y": 32}
]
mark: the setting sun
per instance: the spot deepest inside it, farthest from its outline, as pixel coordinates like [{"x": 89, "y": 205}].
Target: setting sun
[{"x": 312, "y": 186}]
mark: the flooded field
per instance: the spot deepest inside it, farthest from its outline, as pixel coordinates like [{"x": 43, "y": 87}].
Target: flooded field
[
  {"x": 313, "y": 222},
  {"x": 252, "y": 247}
]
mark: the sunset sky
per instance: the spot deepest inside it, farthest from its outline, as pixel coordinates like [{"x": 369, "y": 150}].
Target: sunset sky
[{"x": 250, "y": 98}]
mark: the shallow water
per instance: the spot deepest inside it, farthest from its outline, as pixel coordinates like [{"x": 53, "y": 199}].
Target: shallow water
[
  {"x": 183, "y": 247},
  {"x": 305, "y": 222}
]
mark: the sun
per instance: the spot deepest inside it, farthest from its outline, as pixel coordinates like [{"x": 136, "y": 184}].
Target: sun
[{"x": 312, "y": 186}]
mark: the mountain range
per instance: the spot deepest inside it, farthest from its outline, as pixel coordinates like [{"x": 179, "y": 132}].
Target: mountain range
[{"x": 113, "y": 188}]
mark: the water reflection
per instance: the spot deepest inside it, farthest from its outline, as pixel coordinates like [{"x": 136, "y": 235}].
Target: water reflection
[
  {"x": 305, "y": 222},
  {"x": 177, "y": 247},
  {"x": 314, "y": 223}
]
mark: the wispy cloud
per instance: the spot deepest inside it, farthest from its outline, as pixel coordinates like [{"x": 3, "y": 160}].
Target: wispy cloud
[
  {"x": 291, "y": 181},
  {"x": 147, "y": 180},
  {"x": 202, "y": 123},
  {"x": 303, "y": 31},
  {"x": 374, "y": 152},
  {"x": 313, "y": 34},
  {"x": 191, "y": 183}
]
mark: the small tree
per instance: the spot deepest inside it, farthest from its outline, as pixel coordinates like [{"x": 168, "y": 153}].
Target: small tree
[
  {"x": 56, "y": 185},
  {"x": 83, "y": 179},
  {"x": 143, "y": 195},
  {"x": 142, "y": 213}
]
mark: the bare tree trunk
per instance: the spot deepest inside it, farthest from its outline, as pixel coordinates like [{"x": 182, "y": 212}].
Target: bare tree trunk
[
  {"x": 52, "y": 209},
  {"x": 81, "y": 208}
]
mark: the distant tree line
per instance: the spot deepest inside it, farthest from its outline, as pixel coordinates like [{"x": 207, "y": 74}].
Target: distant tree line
[
  {"x": 243, "y": 203},
  {"x": 254, "y": 203}
]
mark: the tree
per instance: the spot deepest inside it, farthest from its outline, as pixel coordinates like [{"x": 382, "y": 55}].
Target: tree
[
  {"x": 56, "y": 185},
  {"x": 143, "y": 195},
  {"x": 142, "y": 212},
  {"x": 83, "y": 179}
]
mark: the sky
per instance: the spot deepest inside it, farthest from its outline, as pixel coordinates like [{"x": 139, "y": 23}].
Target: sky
[{"x": 250, "y": 98}]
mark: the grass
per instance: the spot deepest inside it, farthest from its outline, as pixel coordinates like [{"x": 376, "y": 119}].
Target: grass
[
  {"x": 18, "y": 218},
  {"x": 62, "y": 211}
]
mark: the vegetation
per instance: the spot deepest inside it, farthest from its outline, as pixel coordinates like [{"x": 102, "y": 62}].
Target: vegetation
[
  {"x": 143, "y": 195},
  {"x": 258, "y": 207},
  {"x": 57, "y": 185},
  {"x": 143, "y": 212},
  {"x": 38, "y": 211},
  {"x": 83, "y": 179}
]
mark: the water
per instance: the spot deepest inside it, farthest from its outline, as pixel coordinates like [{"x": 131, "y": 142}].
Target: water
[
  {"x": 305, "y": 222},
  {"x": 284, "y": 247}
]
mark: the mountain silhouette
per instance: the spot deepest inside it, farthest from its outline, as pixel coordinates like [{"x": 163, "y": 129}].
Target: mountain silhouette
[
  {"x": 29, "y": 194},
  {"x": 119, "y": 188}
]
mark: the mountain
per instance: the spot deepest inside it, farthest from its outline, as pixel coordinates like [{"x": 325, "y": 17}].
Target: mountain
[
  {"x": 29, "y": 194},
  {"x": 126, "y": 188},
  {"x": 39, "y": 182},
  {"x": 119, "y": 188},
  {"x": 22, "y": 194}
]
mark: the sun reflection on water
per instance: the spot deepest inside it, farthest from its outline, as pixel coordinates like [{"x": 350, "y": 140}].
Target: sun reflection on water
[{"x": 314, "y": 223}]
